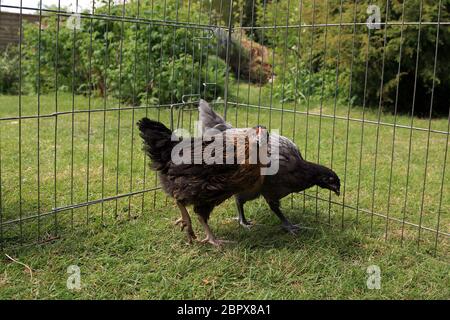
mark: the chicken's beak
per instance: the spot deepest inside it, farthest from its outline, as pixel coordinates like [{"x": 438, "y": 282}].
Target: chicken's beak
[{"x": 336, "y": 190}]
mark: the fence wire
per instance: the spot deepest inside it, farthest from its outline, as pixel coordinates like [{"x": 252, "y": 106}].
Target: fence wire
[{"x": 70, "y": 156}]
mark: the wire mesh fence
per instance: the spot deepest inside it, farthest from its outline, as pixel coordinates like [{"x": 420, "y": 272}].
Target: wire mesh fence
[{"x": 359, "y": 86}]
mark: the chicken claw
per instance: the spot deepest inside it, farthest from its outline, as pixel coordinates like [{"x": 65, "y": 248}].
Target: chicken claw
[
  {"x": 189, "y": 231},
  {"x": 294, "y": 229},
  {"x": 247, "y": 224},
  {"x": 182, "y": 222},
  {"x": 216, "y": 242}
]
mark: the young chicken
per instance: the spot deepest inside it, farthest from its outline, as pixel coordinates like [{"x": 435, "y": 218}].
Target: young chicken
[
  {"x": 196, "y": 180},
  {"x": 295, "y": 174}
]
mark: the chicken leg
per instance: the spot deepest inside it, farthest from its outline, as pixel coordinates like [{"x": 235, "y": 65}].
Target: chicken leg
[
  {"x": 241, "y": 218},
  {"x": 185, "y": 222},
  {"x": 203, "y": 213},
  {"x": 285, "y": 223},
  {"x": 210, "y": 238},
  {"x": 240, "y": 200}
]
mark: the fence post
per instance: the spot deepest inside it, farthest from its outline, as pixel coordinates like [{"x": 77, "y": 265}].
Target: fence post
[{"x": 227, "y": 59}]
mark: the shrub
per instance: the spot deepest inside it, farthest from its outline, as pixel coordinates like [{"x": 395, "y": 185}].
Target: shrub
[
  {"x": 410, "y": 50},
  {"x": 9, "y": 77},
  {"x": 299, "y": 83},
  {"x": 127, "y": 60},
  {"x": 355, "y": 49}
]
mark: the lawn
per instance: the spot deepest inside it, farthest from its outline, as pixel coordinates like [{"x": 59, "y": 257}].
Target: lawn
[{"x": 128, "y": 248}]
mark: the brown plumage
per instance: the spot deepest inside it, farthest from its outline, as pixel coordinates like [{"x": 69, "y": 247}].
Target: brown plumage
[{"x": 197, "y": 183}]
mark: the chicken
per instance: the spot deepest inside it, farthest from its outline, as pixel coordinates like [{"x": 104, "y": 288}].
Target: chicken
[
  {"x": 196, "y": 180},
  {"x": 295, "y": 174}
]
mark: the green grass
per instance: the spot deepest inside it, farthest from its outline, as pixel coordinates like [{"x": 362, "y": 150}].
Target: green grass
[
  {"x": 148, "y": 258},
  {"x": 129, "y": 249}
]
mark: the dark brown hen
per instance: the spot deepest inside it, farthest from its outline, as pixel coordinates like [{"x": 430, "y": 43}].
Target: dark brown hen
[{"x": 196, "y": 181}]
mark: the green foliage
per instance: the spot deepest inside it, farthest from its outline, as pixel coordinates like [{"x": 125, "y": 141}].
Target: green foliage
[
  {"x": 9, "y": 77},
  {"x": 160, "y": 63},
  {"x": 413, "y": 50},
  {"x": 185, "y": 76},
  {"x": 305, "y": 68},
  {"x": 298, "y": 83},
  {"x": 128, "y": 60},
  {"x": 368, "y": 63}
]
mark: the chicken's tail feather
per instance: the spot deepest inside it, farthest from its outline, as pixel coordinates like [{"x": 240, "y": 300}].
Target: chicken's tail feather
[
  {"x": 157, "y": 142},
  {"x": 209, "y": 119}
]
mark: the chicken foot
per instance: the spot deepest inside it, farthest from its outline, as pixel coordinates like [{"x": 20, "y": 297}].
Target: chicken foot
[
  {"x": 285, "y": 223},
  {"x": 241, "y": 218},
  {"x": 210, "y": 238},
  {"x": 185, "y": 222}
]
